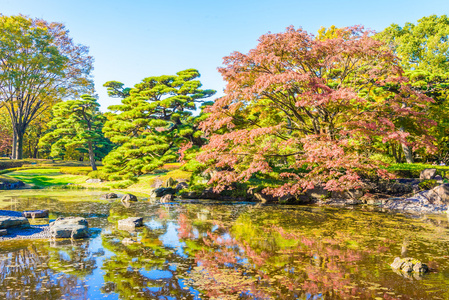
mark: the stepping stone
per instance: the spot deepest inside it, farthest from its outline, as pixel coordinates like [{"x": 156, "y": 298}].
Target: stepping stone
[
  {"x": 70, "y": 227},
  {"x": 130, "y": 223},
  {"x": 41, "y": 213},
  {"x": 18, "y": 222},
  {"x": 130, "y": 241}
]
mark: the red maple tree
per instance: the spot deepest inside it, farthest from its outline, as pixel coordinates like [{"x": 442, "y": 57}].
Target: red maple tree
[{"x": 309, "y": 109}]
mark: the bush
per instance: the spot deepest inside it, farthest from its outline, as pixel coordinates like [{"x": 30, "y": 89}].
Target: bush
[
  {"x": 76, "y": 170},
  {"x": 98, "y": 175},
  {"x": 413, "y": 170},
  {"x": 427, "y": 184}
]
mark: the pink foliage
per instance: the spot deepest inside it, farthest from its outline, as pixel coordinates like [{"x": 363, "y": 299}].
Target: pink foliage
[{"x": 314, "y": 107}]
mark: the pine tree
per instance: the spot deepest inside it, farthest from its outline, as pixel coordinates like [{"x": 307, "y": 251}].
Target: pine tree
[
  {"x": 153, "y": 122},
  {"x": 78, "y": 123}
]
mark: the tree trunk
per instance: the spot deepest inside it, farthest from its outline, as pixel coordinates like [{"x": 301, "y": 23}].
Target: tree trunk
[
  {"x": 92, "y": 156},
  {"x": 14, "y": 145},
  {"x": 408, "y": 154},
  {"x": 17, "y": 142},
  {"x": 19, "y": 153}
]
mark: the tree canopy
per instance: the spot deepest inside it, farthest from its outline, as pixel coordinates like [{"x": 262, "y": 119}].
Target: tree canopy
[
  {"x": 78, "y": 124},
  {"x": 39, "y": 64},
  {"x": 308, "y": 109},
  {"x": 423, "y": 50},
  {"x": 153, "y": 122}
]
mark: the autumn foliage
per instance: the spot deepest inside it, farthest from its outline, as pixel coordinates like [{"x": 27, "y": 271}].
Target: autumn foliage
[{"x": 310, "y": 109}]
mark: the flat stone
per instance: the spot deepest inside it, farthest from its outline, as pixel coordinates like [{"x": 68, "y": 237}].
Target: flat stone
[
  {"x": 9, "y": 222},
  {"x": 3, "y": 232},
  {"x": 130, "y": 223},
  {"x": 41, "y": 213},
  {"x": 70, "y": 227},
  {"x": 93, "y": 180},
  {"x": 129, "y": 241},
  {"x": 129, "y": 198}
]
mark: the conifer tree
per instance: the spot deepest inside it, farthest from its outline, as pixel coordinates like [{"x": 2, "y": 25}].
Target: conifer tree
[
  {"x": 78, "y": 123},
  {"x": 153, "y": 122}
]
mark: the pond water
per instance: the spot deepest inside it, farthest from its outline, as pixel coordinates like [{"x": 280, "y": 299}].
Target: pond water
[{"x": 204, "y": 249}]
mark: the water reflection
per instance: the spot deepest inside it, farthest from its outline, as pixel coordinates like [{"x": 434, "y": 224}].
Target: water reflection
[{"x": 209, "y": 250}]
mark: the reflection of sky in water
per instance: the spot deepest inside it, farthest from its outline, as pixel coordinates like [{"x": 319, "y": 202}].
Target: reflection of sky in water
[
  {"x": 153, "y": 224},
  {"x": 170, "y": 239},
  {"x": 156, "y": 274}
]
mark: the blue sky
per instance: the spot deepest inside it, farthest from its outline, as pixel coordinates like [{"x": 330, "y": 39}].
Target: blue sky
[{"x": 134, "y": 39}]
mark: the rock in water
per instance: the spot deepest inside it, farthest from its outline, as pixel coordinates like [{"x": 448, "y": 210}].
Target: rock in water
[
  {"x": 109, "y": 196},
  {"x": 3, "y": 232},
  {"x": 41, "y": 213},
  {"x": 159, "y": 192},
  {"x": 408, "y": 265},
  {"x": 167, "y": 198},
  {"x": 130, "y": 223},
  {"x": 129, "y": 241},
  {"x": 17, "y": 222},
  {"x": 129, "y": 198},
  {"x": 181, "y": 186},
  {"x": 70, "y": 227}
]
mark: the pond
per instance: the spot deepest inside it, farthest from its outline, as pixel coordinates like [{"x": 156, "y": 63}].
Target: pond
[{"x": 206, "y": 249}]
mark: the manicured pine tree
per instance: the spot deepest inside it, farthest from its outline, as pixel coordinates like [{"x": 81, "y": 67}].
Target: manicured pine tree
[
  {"x": 152, "y": 123},
  {"x": 78, "y": 123}
]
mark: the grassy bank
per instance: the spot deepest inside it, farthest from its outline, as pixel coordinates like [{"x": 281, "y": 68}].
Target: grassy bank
[{"x": 75, "y": 177}]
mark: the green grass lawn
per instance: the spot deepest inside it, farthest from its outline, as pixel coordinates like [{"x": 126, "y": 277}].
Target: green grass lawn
[{"x": 46, "y": 177}]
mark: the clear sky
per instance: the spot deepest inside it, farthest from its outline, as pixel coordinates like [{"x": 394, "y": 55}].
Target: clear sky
[{"x": 134, "y": 39}]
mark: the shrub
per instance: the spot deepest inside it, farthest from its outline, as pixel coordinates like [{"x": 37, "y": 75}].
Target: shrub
[{"x": 427, "y": 184}]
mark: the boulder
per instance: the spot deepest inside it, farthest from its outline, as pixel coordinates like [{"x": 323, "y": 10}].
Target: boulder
[
  {"x": 438, "y": 178},
  {"x": 181, "y": 186},
  {"x": 157, "y": 183},
  {"x": 169, "y": 182},
  {"x": 167, "y": 198},
  {"x": 130, "y": 223},
  {"x": 3, "y": 232},
  {"x": 109, "y": 196},
  {"x": 93, "y": 180},
  {"x": 16, "y": 222},
  {"x": 408, "y": 265},
  {"x": 41, "y": 213},
  {"x": 189, "y": 195},
  {"x": 427, "y": 174},
  {"x": 162, "y": 191},
  {"x": 439, "y": 195},
  {"x": 70, "y": 227},
  {"x": 129, "y": 198}
]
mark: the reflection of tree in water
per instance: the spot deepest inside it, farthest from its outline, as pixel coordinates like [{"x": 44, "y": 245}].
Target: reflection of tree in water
[
  {"x": 147, "y": 270},
  {"x": 26, "y": 274},
  {"x": 276, "y": 254},
  {"x": 71, "y": 257}
]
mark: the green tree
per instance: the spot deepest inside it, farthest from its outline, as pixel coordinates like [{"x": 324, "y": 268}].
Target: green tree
[
  {"x": 39, "y": 64},
  {"x": 78, "y": 123},
  {"x": 423, "y": 50},
  {"x": 153, "y": 122}
]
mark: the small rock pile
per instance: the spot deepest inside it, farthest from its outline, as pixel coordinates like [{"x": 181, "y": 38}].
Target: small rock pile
[{"x": 409, "y": 265}]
